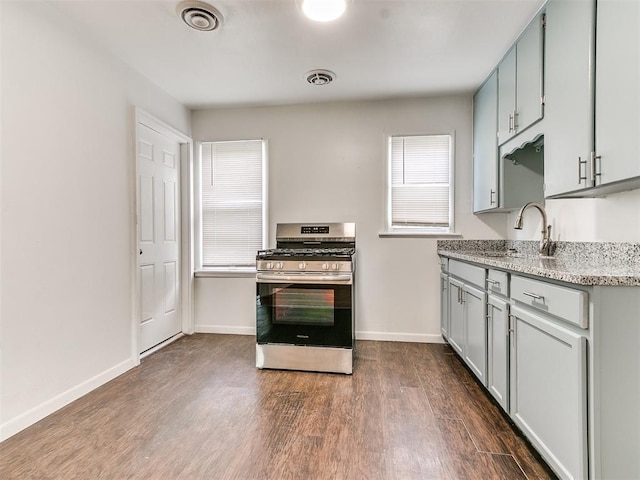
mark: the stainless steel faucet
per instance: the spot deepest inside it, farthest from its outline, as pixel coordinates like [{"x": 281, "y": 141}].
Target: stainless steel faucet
[{"x": 547, "y": 247}]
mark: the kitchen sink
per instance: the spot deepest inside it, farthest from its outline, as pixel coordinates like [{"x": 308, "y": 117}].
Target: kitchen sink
[{"x": 501, "y": 254}]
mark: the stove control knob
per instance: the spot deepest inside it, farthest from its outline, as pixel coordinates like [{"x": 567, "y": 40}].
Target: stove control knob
[
  {"x": 279, "y": 265},
  {"x": 302, "y": 266},
  {"x": 335, "y": 266},
  {"x": 325, "y": 266},
  {"x": 269, "y": 265}
]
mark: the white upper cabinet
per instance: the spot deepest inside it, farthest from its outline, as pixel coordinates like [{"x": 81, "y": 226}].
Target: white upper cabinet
[
  {"x": 617, "y": 102},
  {"x": 520, "y": 82},
  {"x": 592, "y": 88},
  {"x": 507, "y": 96},
  {"x": 529, "y": 69},
  {"x": 568, "y": 141},
  {"x": 485, "y": 146}
]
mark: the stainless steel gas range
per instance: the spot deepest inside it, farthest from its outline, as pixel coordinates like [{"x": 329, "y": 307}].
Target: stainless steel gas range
[{"x": 305, "y": 315}]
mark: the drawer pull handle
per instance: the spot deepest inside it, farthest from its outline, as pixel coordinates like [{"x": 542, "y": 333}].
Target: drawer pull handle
[
  {"x": 493, "y": 282},
  {"x": 533, "y": 295}
]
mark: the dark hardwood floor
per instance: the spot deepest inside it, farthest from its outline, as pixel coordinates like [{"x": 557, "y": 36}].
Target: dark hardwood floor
[{"x": 199, "y": 409}]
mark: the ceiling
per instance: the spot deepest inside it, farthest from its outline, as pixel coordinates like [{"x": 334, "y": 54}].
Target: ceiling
[{"x": 378, "y": 49}]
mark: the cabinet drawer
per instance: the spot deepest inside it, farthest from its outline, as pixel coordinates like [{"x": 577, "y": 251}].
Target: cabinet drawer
[
  {"x": 566, "y": 303},
  {"x": 498, "y": 282},
  {"x": 469, "y": 273}
]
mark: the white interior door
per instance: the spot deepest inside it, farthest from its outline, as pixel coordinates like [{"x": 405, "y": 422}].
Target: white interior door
[{"x": 158, "y": 190}]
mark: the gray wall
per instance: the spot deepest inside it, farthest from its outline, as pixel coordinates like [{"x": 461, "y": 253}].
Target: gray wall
[
  {"x": 68, "y": 222},
  {"x": 327, "y": 163}
]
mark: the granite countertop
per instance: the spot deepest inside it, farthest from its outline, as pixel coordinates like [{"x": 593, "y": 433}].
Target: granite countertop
[{"x": 582, "y": 263}]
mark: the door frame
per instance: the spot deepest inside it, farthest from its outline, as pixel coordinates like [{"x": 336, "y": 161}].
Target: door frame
[{"x": 186, "y": 231}]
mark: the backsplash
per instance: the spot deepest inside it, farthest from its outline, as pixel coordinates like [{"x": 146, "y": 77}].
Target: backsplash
[{"x": 601, "y": 253}]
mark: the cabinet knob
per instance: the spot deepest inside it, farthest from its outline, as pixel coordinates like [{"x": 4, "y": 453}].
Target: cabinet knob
[{"x": 535, "y": 296}]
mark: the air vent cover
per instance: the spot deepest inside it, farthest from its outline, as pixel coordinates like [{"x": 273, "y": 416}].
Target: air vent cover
[
  {"x": 199, "y": 16},
  {"x": 320, "y": 77}
]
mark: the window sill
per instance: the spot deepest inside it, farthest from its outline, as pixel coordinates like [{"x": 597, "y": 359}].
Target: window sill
[
  {"x": 249, "y": 272},
  {"x": 419, "y": 234}
]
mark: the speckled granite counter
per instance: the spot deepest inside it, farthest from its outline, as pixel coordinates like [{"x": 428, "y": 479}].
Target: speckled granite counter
[{"x": 582, "y": 263}]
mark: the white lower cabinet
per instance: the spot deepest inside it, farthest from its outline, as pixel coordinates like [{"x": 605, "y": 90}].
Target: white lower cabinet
[
  {"x": 456, "y": 315},
  {"x": 444, "y": 305},
  {"x": 475, "y": 348},
  {"x": 561, "y": 359},
  {"x": 498, "y": 350},
  {"x": 467, "y": 316},
  {"x": 549, "y": 389}
]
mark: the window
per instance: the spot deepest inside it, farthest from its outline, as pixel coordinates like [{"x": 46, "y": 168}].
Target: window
[
  {"x": 420, "y": 185},
  {"x": 233, "y": 207}
]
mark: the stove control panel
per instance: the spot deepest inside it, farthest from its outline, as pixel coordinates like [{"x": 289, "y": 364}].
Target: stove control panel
[{"x": 304, "y": 266}]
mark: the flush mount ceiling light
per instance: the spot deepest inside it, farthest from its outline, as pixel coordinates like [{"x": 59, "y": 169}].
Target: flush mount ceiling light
[
  {"x": 199, "y": 15},
  {"x": 323, "y": 10},
  {"x": 320, "y": 77}
]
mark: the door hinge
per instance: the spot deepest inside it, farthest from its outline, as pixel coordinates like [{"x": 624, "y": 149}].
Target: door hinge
[
  {"x": 543, "y": 20},
  {"x": 543, "y": 100}
]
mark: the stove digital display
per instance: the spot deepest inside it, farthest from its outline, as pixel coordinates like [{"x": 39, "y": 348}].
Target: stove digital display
[{"x": 314, "y": 229}]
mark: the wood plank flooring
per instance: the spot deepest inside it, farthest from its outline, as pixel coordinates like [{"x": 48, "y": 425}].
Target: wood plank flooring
[{"x": 199, "y": 409}]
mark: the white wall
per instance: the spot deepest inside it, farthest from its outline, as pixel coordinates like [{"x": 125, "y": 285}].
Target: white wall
[
  {"x": 327, "y": 163},
  {"x": 68, "y": 208},
  {"x": 615, "y": 218}
]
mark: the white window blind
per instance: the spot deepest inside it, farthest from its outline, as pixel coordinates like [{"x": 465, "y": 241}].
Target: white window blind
[
  {"x": 232, "y": 202},
  {"x": 420, "y": 182}
]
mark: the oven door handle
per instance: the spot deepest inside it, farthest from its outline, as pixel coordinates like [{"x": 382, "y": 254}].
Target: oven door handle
[{"x": 345, "y": 279}]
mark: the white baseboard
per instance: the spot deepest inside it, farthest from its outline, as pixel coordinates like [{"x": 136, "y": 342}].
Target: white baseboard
[
  {"x": 15, "y": 425},
  {"x": 228, "y": 329},
  {"x": 400, "y": 337}
]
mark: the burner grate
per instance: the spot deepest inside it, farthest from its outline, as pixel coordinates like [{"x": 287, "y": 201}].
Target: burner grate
[{"x": 306, "y": 252}]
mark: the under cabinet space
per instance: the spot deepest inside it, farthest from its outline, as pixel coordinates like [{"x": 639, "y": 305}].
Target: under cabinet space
[{"x": 522, "y": 175}]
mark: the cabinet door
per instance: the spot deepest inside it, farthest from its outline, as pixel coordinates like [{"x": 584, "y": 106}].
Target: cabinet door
[
  {"x": 475, "y": 348},
  {"x": 444, "y": 305},
  {"x": 498, "y": 350},
  {"x": 617, "y": 90},
  {"x": 529, "y": 62},
  {"x": 568, "y": 139},
  {"x": 548, "y": 390},
  {"x": 456, "y": 315},
  {"x": 485, "y": 146},
  {"x": 506, "y": 96}
]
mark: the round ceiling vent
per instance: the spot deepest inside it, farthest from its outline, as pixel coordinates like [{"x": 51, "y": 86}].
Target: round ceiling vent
[
  {"x": 320, "y": 77},
  {"x": 199, "y": 16}
]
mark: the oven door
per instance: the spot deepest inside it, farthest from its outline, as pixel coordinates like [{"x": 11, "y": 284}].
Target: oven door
[{"x": 302, "y": 309}]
